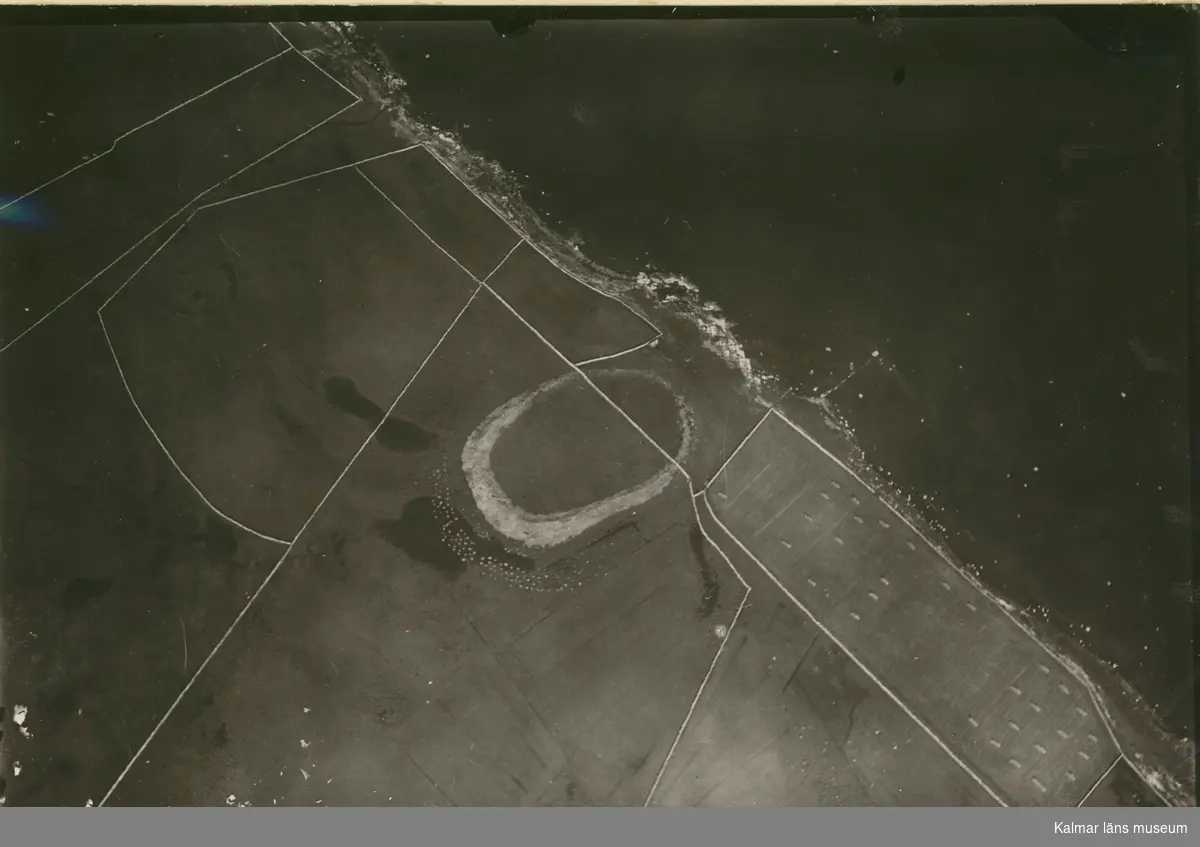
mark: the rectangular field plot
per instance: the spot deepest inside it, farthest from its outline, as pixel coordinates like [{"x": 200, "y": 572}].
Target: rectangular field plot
[{"x": 984, "y": 686}]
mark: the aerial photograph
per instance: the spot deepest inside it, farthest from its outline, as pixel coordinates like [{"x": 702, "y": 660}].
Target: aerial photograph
[{"x": 621, "y": 408}]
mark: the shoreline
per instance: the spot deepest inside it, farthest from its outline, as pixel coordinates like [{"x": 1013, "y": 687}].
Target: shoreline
[{"x": 663, "y": 299}]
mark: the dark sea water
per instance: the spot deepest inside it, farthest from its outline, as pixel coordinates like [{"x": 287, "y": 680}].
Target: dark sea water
[{"x": 993, "y": 205}]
